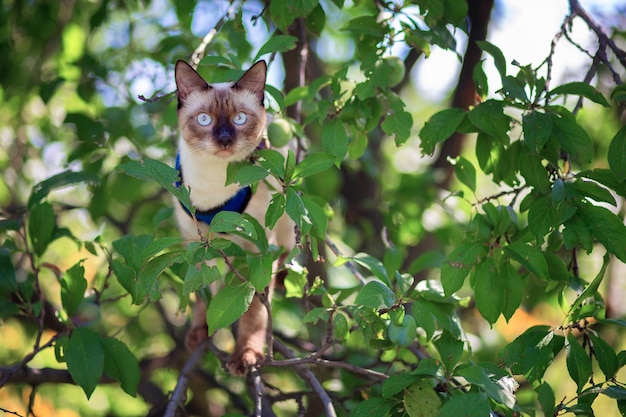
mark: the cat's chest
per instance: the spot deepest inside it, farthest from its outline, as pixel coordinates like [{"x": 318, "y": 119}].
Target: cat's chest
[{"x": 206, "y": 177}]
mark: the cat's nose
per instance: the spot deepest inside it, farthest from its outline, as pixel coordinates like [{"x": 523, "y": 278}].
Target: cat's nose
[{"x": 225, "y": 136}]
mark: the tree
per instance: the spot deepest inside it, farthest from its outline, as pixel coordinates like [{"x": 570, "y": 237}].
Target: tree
[{"x": 397, "y": 278}]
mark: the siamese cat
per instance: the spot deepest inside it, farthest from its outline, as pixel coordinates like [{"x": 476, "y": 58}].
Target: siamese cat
[{"x": 222, "y": 123}]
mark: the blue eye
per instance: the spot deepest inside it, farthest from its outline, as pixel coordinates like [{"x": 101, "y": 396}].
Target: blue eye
[
  {"x": 240, "y": 118},
  {"x": 203, "y": 119}
]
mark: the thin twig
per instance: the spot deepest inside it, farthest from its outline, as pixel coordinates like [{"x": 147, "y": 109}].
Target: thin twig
[
  {"x": 4, "y": 410},
  {"x": 308, "y": 376},
  {"x": 180, "y": 392},
  {"x": 349, "y": 264},
  {"x": 257, "y": 384},
  {"x": 327, "y": 364},
  {"x": 8, "y": 373},
  {"x": 198, "y": 54}
]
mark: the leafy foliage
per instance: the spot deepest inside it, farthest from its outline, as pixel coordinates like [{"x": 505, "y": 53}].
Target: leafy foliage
[{"x": 91, "y": 264}]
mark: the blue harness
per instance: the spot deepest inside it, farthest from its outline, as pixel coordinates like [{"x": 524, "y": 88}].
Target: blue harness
[{"x": 237, "y": 203}]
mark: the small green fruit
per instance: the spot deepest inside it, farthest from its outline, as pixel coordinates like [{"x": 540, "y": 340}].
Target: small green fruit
[
  {"x": 394, "y": 68},
  {"x": 279, "y": 132}
]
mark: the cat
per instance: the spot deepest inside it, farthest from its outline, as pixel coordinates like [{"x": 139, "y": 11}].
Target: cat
[{"x": 222, "y": 123}]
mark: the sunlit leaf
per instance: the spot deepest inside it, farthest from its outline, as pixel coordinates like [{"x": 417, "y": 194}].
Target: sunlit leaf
[
  {"x": 73, "y": 286},
  {"x": 439, "y": 128},
  {"x": 375, "y": 294},
  {"x": 581, "y": 89},
  {"x": 64, "y": 179},
  {"x": 617, "y": 154},
  {"x": 121, "y": 364},
  {"x": 85, "y": 359},
  {"x": 228, "y": 305},
  {"x": 421, "y": 400},
  {"x": 578, "y": 362}
]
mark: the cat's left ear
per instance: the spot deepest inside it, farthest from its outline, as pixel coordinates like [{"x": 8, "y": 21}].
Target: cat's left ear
[{"x": 254, "y": 80}]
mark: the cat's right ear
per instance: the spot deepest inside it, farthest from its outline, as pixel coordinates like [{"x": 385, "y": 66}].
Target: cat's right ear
[{"x": 187, "y": 81}]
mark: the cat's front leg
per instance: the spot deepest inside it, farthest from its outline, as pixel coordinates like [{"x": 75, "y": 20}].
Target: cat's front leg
[
  {"x": 251, "y": 334},
  {"x": 199, "y": 330}
]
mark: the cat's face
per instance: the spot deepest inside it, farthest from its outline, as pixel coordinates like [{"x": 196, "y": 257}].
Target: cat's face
[{"x": 226, "y": 120}]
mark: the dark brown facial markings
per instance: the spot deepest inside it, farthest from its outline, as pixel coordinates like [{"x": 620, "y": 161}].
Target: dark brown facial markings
[{"x": 223, "y": 105}]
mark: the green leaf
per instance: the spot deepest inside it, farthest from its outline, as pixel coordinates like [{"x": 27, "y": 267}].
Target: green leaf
[
  {"x": 341, "y": 329},
  {"x": 375, "y": 294},
  {"x": 277, "y": 43},
  {"x": 530, "y": 257},
  {"x": 591, "y": 289},
  {"x": 260, "y": 267},
  {"x": 514, "y": 286},
  {"x": 245, "y": 174},
  {"x": 373, "y": 265},
  {"x": 513, "y": 88},
  {"x": 489, "y": 117},
  {"x": 465, "y": 405},
  {"x": 41, "y": 226},
  {"x": 64, "y": 179},
  {"x": 619, "y": 93},
  {"x": 198, "y": 277},
  {"x": 537, "y": 129},
  {"x": 403, "y": 334},
  {"x": 85, "y": 359},
  {"x": 235, "y": 223},
  {"x": 606, "y": 227},
  {"x": 162, "y": 174},
  {"x": 317, "y": 216},
  {"x": 284, "y": 12},
  {"x": 535, "y": 173},
  {"x": 592, "y": 190},
  {"x": 617, "y": 154},
  {"x": 572, "y": 137},
  {"x": 489, "y": 290},
  {"x": 497, "y": 55},
  {"x": 228, "y": 305},
  {"x": 73, "y": 287},
  {"x": 275, "y": 210},
  {"x": 578, "y": 362},
  {"x": 121, "y": 364},
  {"x": 364, "y": 25},
  {"x": 313, "y": 164},
  {"x": 315, "y": 315},
  {"x": 335, "y": 138},
  {"x": 532, "y": 352},
  {"x": 148, "y": 277},
  {"x": 581, "y": 89},
  {"x": 465, "y": 172},
  {"x": 458, "y": 264},
  {"x": 546, "y": 398},
  {"x": 398, "y": 382},
  {"x": 605, "y": 355},
  {"x": 477, "y": 375},
  {"x": 450, "y": 349},
  {"x": 297, "y": 211},
  {"x": 480, "y": 80},
  {"x": 439, "y": 128},
  {"x": 398, "y": 123},
  {"x": 272, "y": 160},
  {"x": 421, "y": 400},
  {"x": 374, "y": 407},
  {"x": 8, "y": 309}
]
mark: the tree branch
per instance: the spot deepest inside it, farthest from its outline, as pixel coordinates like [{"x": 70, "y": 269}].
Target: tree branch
[
  {"x": 310, "y": 377},
  {"x": 177, "y": 401}
]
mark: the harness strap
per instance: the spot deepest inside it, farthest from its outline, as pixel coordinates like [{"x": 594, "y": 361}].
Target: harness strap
[{"x": 237, "y": 203}]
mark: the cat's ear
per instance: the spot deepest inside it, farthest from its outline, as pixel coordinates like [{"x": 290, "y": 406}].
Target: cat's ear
[
  {"x": 254, "y": 80},
  {"x": 187, "y": 80}
]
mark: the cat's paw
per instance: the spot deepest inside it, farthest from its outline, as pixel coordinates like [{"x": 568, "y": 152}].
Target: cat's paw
[
  {"x": 242, "y": 359},
  {"x": 195, "y": 336}
]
